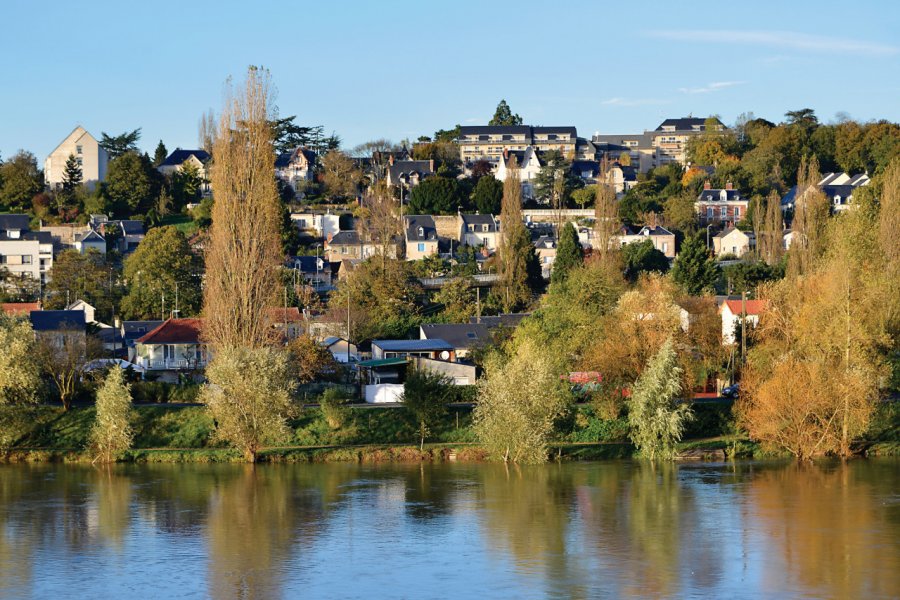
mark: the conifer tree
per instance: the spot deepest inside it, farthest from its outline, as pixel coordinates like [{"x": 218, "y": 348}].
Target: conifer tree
[
  {"x": 160, "y": 155},
  {"x": 72, "y": 176},
  {"x": 569, "y": 253},
  {"x": 694, "y": 270}
]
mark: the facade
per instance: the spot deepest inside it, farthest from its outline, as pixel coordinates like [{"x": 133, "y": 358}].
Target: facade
[
  {"x": 421, "y": 236},
  {"x": 296, "y": 167},
  {"x": 491, "y": 141},
  {"x": 25, "y": 253},
  {"x": 480, "y": 231},
  {"x": 61, "y": 329},
  {"x": 131, "y": 331},
  {"x": 321, "y": 224},
  {"x": 527, "y": 161},
  {"x": 177, "y": 160},
  {"x": 545, "y": 248},
  {"x": 132, "y": 234},
  {"x": 287, "y": 321},
  {"x": 92, "y": 159},
  {"x": 429, "y": 348},
  {"x": 663, "y": 239},
  {"x": 464, "y": 337},
  {"x": 731, "y": 311},
  {"x": 347, "y": 245},
  {"x": 343, "y": 351},
  {"x": 313, "y": 270},
  {"x": 721, "y": 206},
  {"x": 837, "y": 187},
  {"x": 171, "y": 349},
  {"x": 733, "y": 241},
  {"x": 657, "y": 148}
]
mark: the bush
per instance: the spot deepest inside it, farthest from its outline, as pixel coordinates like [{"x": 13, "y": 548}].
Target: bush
[{"x": 333, "y": 404}]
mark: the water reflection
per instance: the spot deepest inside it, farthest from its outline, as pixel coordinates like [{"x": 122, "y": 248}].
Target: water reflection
[{"x": 618, "y": 529}]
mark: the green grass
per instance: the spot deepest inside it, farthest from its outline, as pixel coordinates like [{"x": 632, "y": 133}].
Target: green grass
[{"x": 182, "y": 223}]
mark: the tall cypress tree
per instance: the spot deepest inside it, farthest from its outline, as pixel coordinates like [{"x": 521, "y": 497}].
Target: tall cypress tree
[
  {"x": 694, "y": 270},
  {"x": 159, "y": 156},
  {"x": 569, "y": 253}
]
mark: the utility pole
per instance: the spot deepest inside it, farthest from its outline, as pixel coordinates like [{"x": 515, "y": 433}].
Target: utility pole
[
  {"x": 162, "y": 307},
  {"x": 348, "y": 325},
  {"x": 478, "y": 304},
  {"x": 743, "y": 327}
]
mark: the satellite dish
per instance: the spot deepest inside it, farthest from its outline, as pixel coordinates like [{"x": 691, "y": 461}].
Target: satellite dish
[{"x": 445, "y": 355}]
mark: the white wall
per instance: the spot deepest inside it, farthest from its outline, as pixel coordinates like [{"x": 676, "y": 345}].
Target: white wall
[{"x": 384, "y": 393}]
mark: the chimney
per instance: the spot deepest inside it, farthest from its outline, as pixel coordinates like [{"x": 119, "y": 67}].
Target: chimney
[
  {"x": 707, "y": 185},
  {"x": 328, "y": 238},
  {"x": 728, "y": 186},
  {"x": 431, "y": 165}
]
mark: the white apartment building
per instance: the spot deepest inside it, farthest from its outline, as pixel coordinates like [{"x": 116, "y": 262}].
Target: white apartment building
[
  {"x": 92, "y": 159},
  {"x": 24, "y": 253}
]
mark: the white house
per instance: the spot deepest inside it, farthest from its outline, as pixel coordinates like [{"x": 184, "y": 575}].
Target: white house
[
  {"x": 733, "y": 241},
  {"x": 178, "y": 159},
  {"x": 480, "y": 230},
  {"x": 24, "y": 253},
  {"x": 296, "y": 167},
  {"x": 322, "y": 224},
  {"x": 172, "y": 348},
  {"x": 529, "y": 164},
  {"x": 731, "y": 311},
  {"x": 92, "y": 159},
  {"x": 343, "y": 351}
]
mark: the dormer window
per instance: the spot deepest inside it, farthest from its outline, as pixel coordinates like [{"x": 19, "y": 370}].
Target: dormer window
[
  {"x": 837, "y": 200},
  {"x": 484, "y": 228},
  {"x": 13, "y": 234},
  {"x": 471, "y": 228},
  {"x": 421, "y": 232}
]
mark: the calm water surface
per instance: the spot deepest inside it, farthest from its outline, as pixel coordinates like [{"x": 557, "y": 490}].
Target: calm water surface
[{"x": 604, "y": 530}]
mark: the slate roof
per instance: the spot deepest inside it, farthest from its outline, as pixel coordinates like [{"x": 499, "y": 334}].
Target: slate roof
[
  {"x": 19, "y": 222},
  {"x": 655, "y": 230},
  {"x": 174, "y": 331},
  {"x": 478, "y": 221},
  {"x": 407, "y": 167},
  {"x": 495, "y": 130},
  {"x": 132, "y": 330},
  {"x": 420, "y": 228},
  {"x": 412, "y": 345},
  {"x": 131, "y": 227},
  {"x": 685, "y": 123},
  {"x": 580, "y": 166},
  {"x": 56, "y": 320},
  {"x": 561, "y": 129},
  {"x": 286, "y": 158},
  {"x": 714, "y": 195},
  {"x": 458, "y": 335},
  {"x": 344, "y": 238},
  {"x": 309, "y": 264},
  {"x": 89, "y": 235},
  {"x": 504, "y": 320},
  {"x": 179, "y": 156}
]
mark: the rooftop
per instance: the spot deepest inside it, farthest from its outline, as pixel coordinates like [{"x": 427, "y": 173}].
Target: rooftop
[
  {"x": 174, "y": 331},
  {"x": 56, "y": 320}
]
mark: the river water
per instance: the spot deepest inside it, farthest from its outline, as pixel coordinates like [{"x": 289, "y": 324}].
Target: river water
[{"x": 583, "y": 530}]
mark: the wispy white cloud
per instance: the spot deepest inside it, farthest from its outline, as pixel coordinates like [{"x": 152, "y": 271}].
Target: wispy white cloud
[
  {"x": 779, "y": 39},
  {"x": 473, "y": 120},
  {"x": 715, "y": 86},
  {"x": 633, "y": 101}
]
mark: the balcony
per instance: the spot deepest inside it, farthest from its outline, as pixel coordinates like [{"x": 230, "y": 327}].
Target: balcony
[{"x": 169, "y": 364}]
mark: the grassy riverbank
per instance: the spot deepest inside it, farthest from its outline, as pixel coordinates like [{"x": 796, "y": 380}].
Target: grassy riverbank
[{"x": 364, "y": 434}]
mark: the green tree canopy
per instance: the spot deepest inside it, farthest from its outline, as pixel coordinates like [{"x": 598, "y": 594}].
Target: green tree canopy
[
  {"x": 89, "y": 277},
  {"x": 19, "y": 371},
  {"x": 487, "y": 195},
  {"x": 425, "y": 395},
  {"x": 556, "y": 180},
  {"x": 694, "y": 270},
  {"x": 20, "y": 181},
  {"x": 569, "y": 253},
  {"x": 117, "y": 145},
  {"x": 643, "y": 257},
  {"x": 504, "y": 116},
  {"x": 160, "y": 154},
  {"x": 112, "y": 434},
  {"x": 161, "y": 262},
  {"x": 132, "y": 184},
  {"x": 435, "y": 196}
]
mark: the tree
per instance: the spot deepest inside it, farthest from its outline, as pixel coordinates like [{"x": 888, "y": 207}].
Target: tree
[
  {"x": 187, "y": 185},
  {"x": 62, "y": 358},
  {"x": 569, "y": 253},
  {"x": 163, "y": 269},
  {"x": 249, "y": 396},
  {"x": 556, "y": 180},
  {"x": 694, "y": 270},
  {"x": 311, "y": 361},
  {"x": 19, "y": 370},
  {"x": 244, "y": 246},
  {"x": 435, "y": 196},
  {"x": 132, "y": 184},
  {"x": 425, "y": 395},
  {"x": 86, "y": 277},
  {"x": 504, "y": 116},
  {"x": 655, "y": 417},
  {"x": 72, "y": 177},
  {"x": 518, "y": 402},
  {"x": 810, "y": 217},
  {"x": 680, "y": 214},
  {"x": 606, "y": 218},
  {"x": 379, "y": 221},
  {"x": 111, "y": 433},
  {"x": 340, "y": 175},
  {"x": 121, "y": 144},
  {"x": 160, "y": 154},
  {"x": 488, "y": 195},
  {"x": 20, "y": 180},
  {"x": 771, "y": 240},
  {"x": 643, "y": 257},
  {"x": 519, "y": 268},
  {"x": 207, "y": 131},
  {"x": 458, "y": 297}
]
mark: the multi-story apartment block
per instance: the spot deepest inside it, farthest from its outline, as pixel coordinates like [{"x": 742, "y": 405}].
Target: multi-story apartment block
[
  {"x": 24, "y": 253},
  {"x": 88, "y": 154},
  {"x": 721, "y": 206},
  {"x": 491, "y": 141},
  {"x": 651, "y": 149}
]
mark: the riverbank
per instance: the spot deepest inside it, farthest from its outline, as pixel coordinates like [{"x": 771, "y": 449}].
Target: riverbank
[{"x": 180, "y": 434}]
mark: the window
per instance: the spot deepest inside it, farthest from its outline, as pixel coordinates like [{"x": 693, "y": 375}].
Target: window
[
  {"x": 724, "y": 212},
  {"x": 421, "y": 247},
  {"x": 26, "y": 259},
  {"x": 471, "y": 228},
  {"x": 737, "y": 212},
  {"x": 78, "y": 149},
  {"x": 709, "y": 212},
  {"x": 665, "y": 247},
  {"x": 484, "y": 227},
  {"x": 78, "y": 160}
]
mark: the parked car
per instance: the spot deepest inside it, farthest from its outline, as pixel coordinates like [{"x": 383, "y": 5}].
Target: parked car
[{"x": 731, "y": 391}]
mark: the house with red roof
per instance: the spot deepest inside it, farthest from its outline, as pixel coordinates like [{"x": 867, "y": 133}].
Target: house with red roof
[
  {"x": 172, "y": 349},
  {"x": 734, "y": 311},
  {"x": 19, "y": 308}
]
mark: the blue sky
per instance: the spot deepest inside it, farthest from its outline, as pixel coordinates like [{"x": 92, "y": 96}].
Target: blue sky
[{"x": 401, "y": 69}]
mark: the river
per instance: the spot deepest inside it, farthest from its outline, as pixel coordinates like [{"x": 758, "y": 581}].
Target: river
[{"x": 579, "y": 530}]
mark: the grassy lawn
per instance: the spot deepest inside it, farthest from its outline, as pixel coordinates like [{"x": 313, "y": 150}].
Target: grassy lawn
[{"x": 182, "y": 223}]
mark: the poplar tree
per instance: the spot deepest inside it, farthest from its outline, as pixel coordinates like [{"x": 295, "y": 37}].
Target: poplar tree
[
  {"x": 519, "y": 267},
  {"x": 112, "y": 434},
  {"x": 771, "y": 240},
  {"x": 811, "y": 212},
  {"x": 606, "y": 217}
]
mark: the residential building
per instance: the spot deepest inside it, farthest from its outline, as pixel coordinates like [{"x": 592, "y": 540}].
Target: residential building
[
  {"x": 296, "y": 167},
  {"x": 131, "y": 331},
  {"x": 837, "y": 187},
  {"x": 177, "y": 160},
  {"x": 651, "y": 149},
  {"x": 621, "y": 178},
  {"x": 347, "y": 245},
  {"x": 131, "y": 234},
  {"x": 721, "y": 206},
  {"x": 421, "y": 236},
  {"x": 733, "y": 241},
  {"x": 663, "y": 239},
  {"x": 92, "y": 159},
  {"x": 545, "y": 248},
  {"x": 312, "y": 270},
  {"x": 287, "y": 321},
  {"x": 408, "y": 173},
  {"x": 172, "y": 349},
  {"x": 319, "y": 224},
  {"x": 25, "y": 253},
  {"x": 61, "y": 329},
  {"x": 464, "y": 337},
  {"x": 480, "y": 231},
  {"x": 428, "y": 348},
  {"x": 88, "y": 310},
  {"x": 80, "y": 238},
  {"x": 732, "y": 311},
  {"x": 343, "y": 351},
  {"x": 492, "y": 141},
  {"x": 527, "y": 161}
]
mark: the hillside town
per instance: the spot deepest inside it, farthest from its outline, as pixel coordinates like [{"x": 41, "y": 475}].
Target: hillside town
[{"x": 430, "y": 255}]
